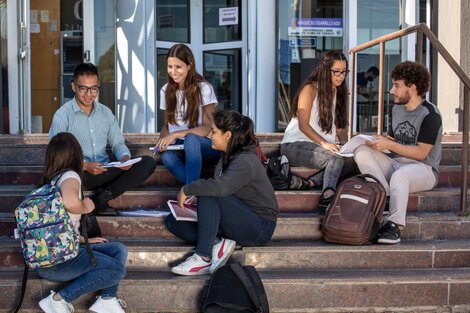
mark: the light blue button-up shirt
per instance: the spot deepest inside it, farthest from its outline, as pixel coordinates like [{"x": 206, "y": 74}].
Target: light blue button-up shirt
[{"x": 92, "y": 131}]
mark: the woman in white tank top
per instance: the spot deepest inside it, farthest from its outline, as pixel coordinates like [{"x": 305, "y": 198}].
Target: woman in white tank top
[{"x": 318, "y": 119}]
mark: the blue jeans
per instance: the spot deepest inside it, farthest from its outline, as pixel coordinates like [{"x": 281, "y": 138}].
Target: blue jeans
[
  {"x": 227, "y": 217},
  {"x": 186, "y": 165},
  {"x": 309, "y": 154},
  {"x": 109, "y": 271}
]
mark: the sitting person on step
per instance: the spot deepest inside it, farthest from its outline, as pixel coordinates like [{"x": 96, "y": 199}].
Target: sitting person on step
[
  {"x": 415, "y": 142},
  {"x": 238, "y": 205},
  {"x": 319, "y": 115},
  {"x": 63, "y": 153},
  {"x": 94, "y": 126},
  {"x": 189, "y": 103}
]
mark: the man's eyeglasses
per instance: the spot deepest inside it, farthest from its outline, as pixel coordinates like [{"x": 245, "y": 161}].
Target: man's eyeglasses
[
  {"x": 85, "y": 89},
  {"x": 338, "y": 73}
]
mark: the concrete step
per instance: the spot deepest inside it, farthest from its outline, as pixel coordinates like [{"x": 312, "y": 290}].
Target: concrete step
[
  {"x": 422, "y": 290},
  {"x": 289, "y": 255},
  {"x": 449, "y": 175},
  {"x": 30, "y": 149},
  {"x": 304, "y": 201},
  {"x": 295, "y": 227}
]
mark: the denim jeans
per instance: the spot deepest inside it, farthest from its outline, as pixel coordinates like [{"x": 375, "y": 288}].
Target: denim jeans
[
  {"x": 119, "y": 181},
  {"x": 186, "y": 165},
  {"x": 309, "y": 154},
  {"x": 109, "y": 271},
  {"x": 227, "y": 217}
]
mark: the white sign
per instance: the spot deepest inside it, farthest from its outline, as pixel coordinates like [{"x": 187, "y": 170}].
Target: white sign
[
  {"x": 311, "y": 27},
  {"x": 228, "y": 16}
]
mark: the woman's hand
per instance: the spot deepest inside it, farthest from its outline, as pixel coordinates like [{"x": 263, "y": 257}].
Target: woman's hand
[
  {"x": 181, "y": 198},
  {"x": 329, "y": 146},
  {"x": 165, "y": 141},
  {"x": 94, "y": 240},
  {"x": 88, "y": 205}
]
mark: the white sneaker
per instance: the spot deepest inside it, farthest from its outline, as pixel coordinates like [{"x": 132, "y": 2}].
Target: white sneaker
[
  {"x": 194, "y": 265},
  {"x": 50, "y": 305},
  {"x": 112, "y": 305},
  {"x": 221, "y": 253}
]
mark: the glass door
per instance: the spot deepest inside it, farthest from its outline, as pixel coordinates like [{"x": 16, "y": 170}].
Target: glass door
[
  {"x": 217, "y": 35},
  {"x": 99, "y": 45}
]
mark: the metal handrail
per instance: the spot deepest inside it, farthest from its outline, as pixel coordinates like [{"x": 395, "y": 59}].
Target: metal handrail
[{"x": 420, "y": 29}]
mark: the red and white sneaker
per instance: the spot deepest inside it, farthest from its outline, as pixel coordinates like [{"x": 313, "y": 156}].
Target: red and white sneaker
[
  {"x": 221, "y": 253},
  {"x": 194, "y": 265}
]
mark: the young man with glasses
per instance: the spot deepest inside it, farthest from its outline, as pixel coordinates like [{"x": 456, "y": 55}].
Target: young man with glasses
[{"x": 95, "y": 126}]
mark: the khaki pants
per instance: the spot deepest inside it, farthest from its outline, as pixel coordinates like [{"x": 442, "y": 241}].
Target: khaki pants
[{"x": 399, "y": 176}]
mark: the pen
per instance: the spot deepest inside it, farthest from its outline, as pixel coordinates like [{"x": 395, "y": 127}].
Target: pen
[
  {"x": 155, "y": 150},
  {"x": 188, "y": 200}
]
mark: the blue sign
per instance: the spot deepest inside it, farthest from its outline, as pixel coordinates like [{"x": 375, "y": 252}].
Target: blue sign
[{"x": 303, "y": 42}]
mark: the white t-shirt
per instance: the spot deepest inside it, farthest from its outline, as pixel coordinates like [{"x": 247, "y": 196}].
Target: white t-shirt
[
  {"x": 208, "y": 97},
  {"x": 74, "y": 217},
  {"x": 294, "y": 134}
]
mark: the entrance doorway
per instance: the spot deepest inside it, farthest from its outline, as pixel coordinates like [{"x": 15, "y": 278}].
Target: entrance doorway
[{"x": 216, "y": 32}]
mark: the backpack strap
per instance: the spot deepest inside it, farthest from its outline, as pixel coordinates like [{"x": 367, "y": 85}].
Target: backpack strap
[
  {"x": 246, "y": 282},
  {"x": 84, "y": 225},
  {"x": 24, "y": 281}
]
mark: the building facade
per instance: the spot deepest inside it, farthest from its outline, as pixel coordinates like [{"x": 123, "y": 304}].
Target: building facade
[{"x": 255, "y": 53}]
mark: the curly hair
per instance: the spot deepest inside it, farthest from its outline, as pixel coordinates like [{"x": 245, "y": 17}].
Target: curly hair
[
  {"x": 321, "y": 75},
  {"x": 413, "y": 73},
  {"x": 192, "y": 91}
]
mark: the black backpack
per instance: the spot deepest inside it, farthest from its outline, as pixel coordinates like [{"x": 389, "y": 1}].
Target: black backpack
[
  {"x": 234, "y": 288},
  {"x": 280, "y": 176}
]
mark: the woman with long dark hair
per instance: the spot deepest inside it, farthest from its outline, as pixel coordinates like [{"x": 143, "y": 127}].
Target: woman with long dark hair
[
  {"x": 189, "y": 103},
  {"x": 64, "y": 157},
  {"x": 237, "y": 205},
  {"x": 318, "y": 117}
]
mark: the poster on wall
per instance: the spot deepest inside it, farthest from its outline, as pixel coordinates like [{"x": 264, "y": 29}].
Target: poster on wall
[{"x": 326, "y": 27}]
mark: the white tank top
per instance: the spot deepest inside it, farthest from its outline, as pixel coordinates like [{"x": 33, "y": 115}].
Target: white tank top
[{"x": 293, "y": 132}]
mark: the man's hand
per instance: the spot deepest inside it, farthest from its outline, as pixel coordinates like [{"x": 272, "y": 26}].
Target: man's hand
[
  {"x": 124, "y": 159},
  {"x": 380, "y": 143},
  {"x": 94, "y": 168}
]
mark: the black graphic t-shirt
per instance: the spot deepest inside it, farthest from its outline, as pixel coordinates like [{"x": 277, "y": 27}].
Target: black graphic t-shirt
[{"x": 423, "y": 124}]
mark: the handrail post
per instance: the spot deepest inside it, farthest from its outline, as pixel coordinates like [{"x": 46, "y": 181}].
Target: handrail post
[
  {"x": 352, "y": 92},
  {"x": 465, "y": 137},
  {"x": 380, "y": 100}
]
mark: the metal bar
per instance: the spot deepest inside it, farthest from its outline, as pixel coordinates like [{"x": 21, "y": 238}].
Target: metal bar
[
  {"x": 388, "y": 37},
  {"x": 419, "y": 46},
  {"x": 446, "y": 55},
  {"x": 380, "y": 101},
  {"x": 352, "y": 92},
  {"x": 465, "y": 137}
]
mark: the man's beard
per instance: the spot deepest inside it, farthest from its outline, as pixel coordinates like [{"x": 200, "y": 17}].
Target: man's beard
[{"x": 402, "y": 100}]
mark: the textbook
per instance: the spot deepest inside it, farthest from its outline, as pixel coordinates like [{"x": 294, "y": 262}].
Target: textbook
[
  {"x": 122, "y": 164},
  {"x": 189, "y": 213},
  {"x": 349, "y": 147}
]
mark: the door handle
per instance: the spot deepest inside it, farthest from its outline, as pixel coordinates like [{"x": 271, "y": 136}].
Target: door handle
[{"x": 86, "y": 55}]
